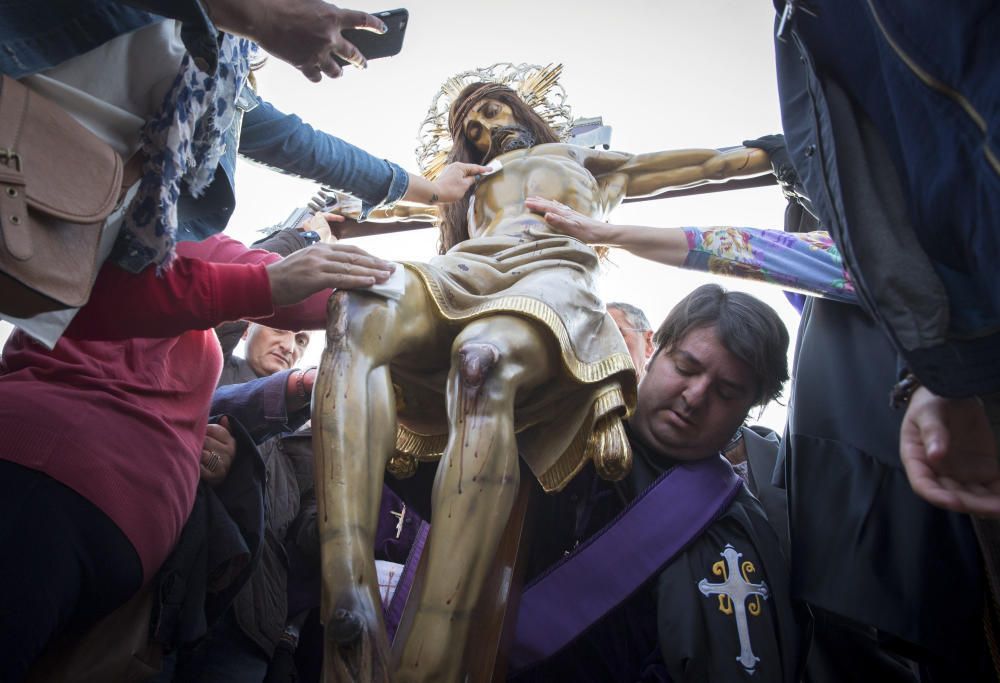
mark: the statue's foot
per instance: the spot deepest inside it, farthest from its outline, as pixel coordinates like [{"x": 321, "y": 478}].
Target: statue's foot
[{"x": 356, "y": 649}]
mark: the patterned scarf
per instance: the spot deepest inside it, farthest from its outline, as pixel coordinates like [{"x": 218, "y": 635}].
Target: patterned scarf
[{"x": 182, "y": 145}]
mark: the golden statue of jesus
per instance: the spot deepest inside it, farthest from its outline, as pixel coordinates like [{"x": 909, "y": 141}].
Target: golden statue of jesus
[{"x": 498, "y": 348}]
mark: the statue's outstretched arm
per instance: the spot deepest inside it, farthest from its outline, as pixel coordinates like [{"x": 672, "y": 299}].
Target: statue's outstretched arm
[
  {"x": 649, "y": 173},
  {"x": 403, "y": 212}
]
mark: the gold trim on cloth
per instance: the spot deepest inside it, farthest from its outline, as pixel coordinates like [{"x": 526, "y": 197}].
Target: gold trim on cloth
[{"x": 535, "y": 309}]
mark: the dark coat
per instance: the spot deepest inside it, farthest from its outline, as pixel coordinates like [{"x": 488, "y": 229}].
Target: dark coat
[{"x": 261, "y": 607}]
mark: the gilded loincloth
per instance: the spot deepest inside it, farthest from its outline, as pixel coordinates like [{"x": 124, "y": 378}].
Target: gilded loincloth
[{"x": 571, "y": 419}]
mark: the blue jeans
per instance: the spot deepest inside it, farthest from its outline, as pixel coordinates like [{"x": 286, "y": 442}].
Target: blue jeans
[{"x": 64, "y": 565}]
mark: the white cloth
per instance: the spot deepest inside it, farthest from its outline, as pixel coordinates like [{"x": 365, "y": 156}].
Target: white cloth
[{"x": 388, "y": 579}]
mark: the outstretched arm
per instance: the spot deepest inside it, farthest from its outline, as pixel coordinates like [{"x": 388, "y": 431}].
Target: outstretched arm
[
  {"x": 645, "y": 174},
  {"x": 807, "y": 262}
]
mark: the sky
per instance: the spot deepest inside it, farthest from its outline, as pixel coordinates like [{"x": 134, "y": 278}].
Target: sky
[{"x": 664, "y": 74}]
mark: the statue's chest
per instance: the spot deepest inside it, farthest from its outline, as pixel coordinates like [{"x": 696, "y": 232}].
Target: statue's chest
[{"x": 553, "y": 177}]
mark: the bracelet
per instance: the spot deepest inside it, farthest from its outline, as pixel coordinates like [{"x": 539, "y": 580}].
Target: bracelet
[
  {"x": 903, "y": 390},
  {"x": 300, "y": 386}
]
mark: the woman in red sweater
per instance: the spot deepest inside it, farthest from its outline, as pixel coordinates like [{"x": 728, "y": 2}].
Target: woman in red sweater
[{"x": 101, "y": 436}]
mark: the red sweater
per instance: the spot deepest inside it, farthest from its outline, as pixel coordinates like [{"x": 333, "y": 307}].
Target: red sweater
[{"x": 117, "y": 411}]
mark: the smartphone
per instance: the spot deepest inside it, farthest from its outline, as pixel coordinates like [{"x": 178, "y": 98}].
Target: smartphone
[{"x": 373, "y": 45}]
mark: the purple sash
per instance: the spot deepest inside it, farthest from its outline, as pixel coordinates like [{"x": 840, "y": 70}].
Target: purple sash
[
  {"x": 394, "y": 611},
  {"x": 610, "y": 566}
]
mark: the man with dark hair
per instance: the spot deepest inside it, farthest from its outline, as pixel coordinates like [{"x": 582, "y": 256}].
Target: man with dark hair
[
  {"x": 698, "y": 585},
  {"x": 636, "y": 331}
]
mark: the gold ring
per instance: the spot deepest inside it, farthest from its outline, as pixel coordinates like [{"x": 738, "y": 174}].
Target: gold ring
[{"x": 213, "y": 462}]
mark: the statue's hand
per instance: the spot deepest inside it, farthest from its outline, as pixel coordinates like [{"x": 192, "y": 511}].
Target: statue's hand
[
  {"x": 304, "y": 33},
  {"x": 455, "y": 180},
  {"x": 324, "y": 266},
  {"x": 570, "y": 221},
  {"x": 950, "y": 454}
]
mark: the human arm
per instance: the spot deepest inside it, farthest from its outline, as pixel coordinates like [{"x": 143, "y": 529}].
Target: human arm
[
  {"x": 807, "y": 262},
  {"x": 267, "y": 406},
  {"x": 949, "y": 452},
  {"x": 285, "y": 142},
  {"x": 220, "y": 279},
  {"x": 285, "y": 243}
]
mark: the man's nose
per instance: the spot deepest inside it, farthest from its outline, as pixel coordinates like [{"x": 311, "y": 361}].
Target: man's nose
[{"x": 695, "y": 392}]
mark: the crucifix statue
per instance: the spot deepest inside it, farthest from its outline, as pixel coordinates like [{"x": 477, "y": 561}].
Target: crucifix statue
[{"x": 498, "y": 349}]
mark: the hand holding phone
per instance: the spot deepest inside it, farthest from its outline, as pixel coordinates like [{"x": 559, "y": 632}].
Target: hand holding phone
[{"x": 376, "y": 45}]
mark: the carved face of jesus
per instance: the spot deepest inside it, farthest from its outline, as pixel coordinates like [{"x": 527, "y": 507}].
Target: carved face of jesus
[{"x": 493, "y": 129}]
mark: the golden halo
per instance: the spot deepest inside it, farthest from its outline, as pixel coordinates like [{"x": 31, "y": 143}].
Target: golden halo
[{"x": 537, "y": 85}]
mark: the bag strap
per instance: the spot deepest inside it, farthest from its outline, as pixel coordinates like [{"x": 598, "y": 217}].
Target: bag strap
[{"x": 13, "y": 207}]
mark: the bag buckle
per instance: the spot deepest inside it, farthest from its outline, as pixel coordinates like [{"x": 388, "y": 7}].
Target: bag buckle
[{"x": 8, "y": 155}]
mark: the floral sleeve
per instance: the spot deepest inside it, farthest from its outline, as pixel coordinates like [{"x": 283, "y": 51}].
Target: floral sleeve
[{"x": 807, "y": 262}]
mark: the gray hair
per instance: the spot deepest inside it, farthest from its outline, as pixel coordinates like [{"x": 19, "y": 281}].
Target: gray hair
[
  {"x": 637, "y": 320},
  {"x": 748, "y": 328}
]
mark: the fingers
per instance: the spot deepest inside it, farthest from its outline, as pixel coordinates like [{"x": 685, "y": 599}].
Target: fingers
[
  {"x": 333, "y": 218},
  {"x": 329, "y": 66},
  {"x": 348, "y": 253},
  {"x": 341, "y": 281},
  {"x": 357, "y": 19},
  {"x": 346, "y": 50},
  {"x": 473, "y": 169},
  {"x": 312, "y": 72}
]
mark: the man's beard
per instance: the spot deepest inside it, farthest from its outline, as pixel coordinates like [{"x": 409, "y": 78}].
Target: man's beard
[{"x": 506, "y": 139}]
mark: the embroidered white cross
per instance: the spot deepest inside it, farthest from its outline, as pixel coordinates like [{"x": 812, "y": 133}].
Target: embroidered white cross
[{"x": 737, "y": 589}]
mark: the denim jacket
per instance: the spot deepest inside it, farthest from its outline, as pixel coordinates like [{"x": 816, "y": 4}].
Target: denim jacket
[
  {"x": 891, "y": 116},
  {"x": 38, "y": 35},
  {"x": 287, "y": 144},
  {"x": 35, "y": 36}
]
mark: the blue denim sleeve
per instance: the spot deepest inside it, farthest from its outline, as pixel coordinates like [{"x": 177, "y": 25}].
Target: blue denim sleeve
[
  {"x": 288, "y": 144},
  {"x": 260, "y": 406}
]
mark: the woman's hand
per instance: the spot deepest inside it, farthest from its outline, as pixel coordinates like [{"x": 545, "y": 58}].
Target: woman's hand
[
  {"x": 324, "y": 266},
  {"x": 570, "y": 222},
  {"x": 455, "y": 180}
]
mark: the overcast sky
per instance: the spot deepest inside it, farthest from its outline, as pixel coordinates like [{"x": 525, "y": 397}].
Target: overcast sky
[{"x": 664, "y": 74}]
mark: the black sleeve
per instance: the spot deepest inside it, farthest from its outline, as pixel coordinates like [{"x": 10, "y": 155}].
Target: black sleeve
[{"x": 697, "y": 627}]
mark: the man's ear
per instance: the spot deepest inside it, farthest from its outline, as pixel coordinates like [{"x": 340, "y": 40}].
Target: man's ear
[{"x": 647, "y": 338}]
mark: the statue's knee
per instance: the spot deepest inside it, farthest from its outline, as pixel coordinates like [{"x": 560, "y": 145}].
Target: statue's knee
[{"x": 476, "y": 361}]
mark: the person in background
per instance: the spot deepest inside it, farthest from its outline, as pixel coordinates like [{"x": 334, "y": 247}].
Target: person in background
[{"x": 638, "y": 335}]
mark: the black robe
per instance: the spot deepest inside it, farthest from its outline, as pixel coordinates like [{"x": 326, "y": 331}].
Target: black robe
[
  {"x": 669, "y": 630},
  {"x": 865, "y": 548}
]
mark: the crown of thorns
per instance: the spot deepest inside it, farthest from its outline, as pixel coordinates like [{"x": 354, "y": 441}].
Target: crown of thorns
[{"x": 538, "y": 86}]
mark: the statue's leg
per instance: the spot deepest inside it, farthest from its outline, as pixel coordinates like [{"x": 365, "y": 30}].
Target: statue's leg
[
  {"x": 354, "y": 430},
  {"x": 492, "y": 360}
]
